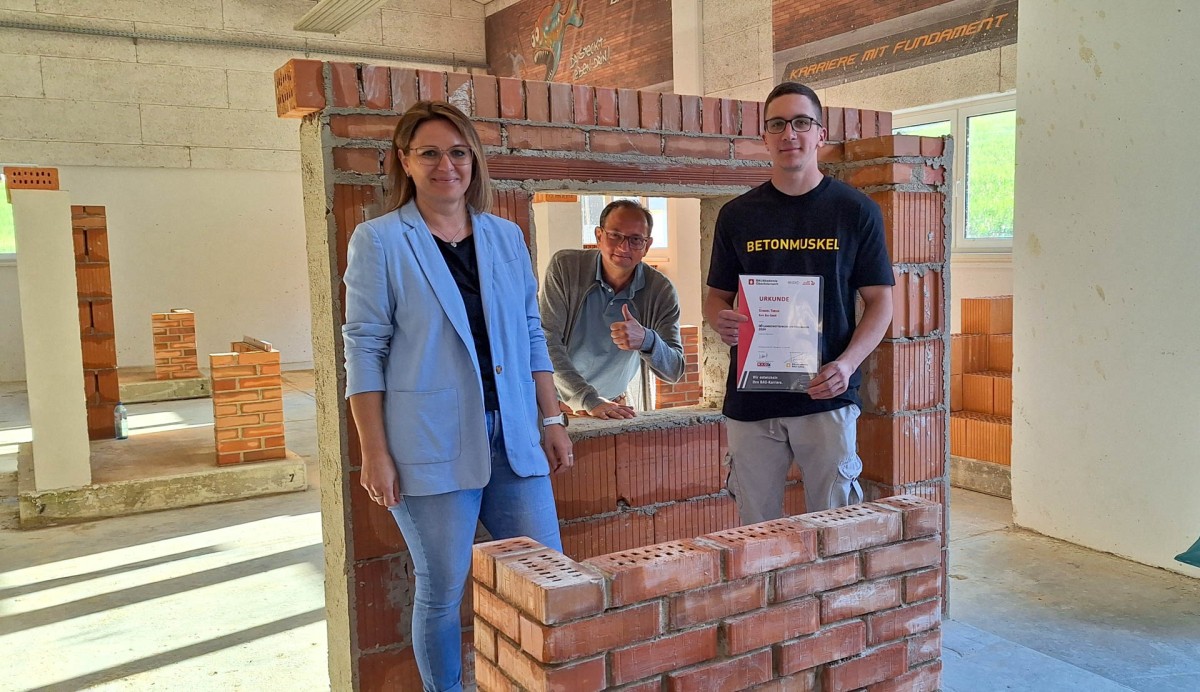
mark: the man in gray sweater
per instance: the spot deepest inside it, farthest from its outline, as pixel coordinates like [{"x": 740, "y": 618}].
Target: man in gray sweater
[{"x": 605, "y": 312}]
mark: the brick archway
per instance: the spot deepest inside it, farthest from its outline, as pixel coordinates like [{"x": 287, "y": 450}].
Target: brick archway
[{"x": 548, "y": 136}]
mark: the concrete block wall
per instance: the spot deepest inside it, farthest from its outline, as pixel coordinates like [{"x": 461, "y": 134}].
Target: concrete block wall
[
  {"x": 174, "y": 340},
  {"x": 247, "y": 396},
  {"x": 686, "y": 392},
  {"x": 97, "y": 331},
  {"x": 981, "y": 373},
  {"x": 155, "y": 110},
  {"x": 845, "y": 599},
  {"x": 150, "y": 97}
]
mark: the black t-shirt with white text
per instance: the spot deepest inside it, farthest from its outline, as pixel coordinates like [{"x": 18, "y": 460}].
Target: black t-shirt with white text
[{"x": 832, "y": 231}]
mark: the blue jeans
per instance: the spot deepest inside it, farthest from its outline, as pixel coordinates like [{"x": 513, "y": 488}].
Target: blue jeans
[{"x": 440, "y": 530}]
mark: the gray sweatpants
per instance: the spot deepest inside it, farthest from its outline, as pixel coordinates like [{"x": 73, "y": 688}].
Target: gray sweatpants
[{"x": 823, "y": 445}]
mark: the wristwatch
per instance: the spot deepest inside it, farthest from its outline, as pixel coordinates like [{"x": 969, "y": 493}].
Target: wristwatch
[{"x": 560, "y": 419}]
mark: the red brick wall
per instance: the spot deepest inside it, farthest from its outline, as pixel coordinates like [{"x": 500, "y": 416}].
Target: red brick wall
[
  {"x": 644, "y": 487},
  {"x": 174, "y": 336},
  {"x": 687, "y": 391},
  {"x": 97, "y": 332},
  {"x": 800, "y": 22},
  {"x": 247, "y": 396},
  {"x": 625, "y": 44},
  {"x": 837, "y": 600}
]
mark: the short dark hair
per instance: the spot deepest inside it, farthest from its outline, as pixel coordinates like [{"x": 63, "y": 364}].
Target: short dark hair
[
  {"x": 628, "y": 204},
  {"x": 400, "y": 186},
  {"x": 785, "y": 88}
]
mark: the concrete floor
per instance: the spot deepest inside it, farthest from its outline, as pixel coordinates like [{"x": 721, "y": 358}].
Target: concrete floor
[{"x": 230, "y": 596}]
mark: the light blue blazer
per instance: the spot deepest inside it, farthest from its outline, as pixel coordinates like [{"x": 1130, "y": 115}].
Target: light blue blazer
[{"x": 407, "y": 335}]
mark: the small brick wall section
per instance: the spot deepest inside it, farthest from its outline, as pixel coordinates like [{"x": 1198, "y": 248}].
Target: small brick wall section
[
  {"x": 247, "y": 396},
  {"x": 174, "y": 339},
  {"x": 97, "y": 332},
  {"x": 687, "y": 391},
  {"x": 981, "y": 381},
  {"x": 839, "y": 600}
]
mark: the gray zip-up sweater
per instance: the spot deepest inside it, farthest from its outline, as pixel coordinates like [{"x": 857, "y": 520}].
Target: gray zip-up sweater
[{"x": 569, "y": 278}]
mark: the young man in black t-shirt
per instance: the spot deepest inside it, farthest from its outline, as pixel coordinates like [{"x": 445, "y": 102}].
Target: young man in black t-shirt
[{"x": 800, "y": 222}]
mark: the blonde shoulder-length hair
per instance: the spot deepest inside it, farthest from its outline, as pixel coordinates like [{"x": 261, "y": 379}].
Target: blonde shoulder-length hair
[{"x": 400, "y": 186}]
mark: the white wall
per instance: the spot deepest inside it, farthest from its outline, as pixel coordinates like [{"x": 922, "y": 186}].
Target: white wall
[
  {"x": 556, "y": 226},
  {"x": 975, "y": 276},
  {"x": 227, "y": 244},
  {"x": 12, "y": 345},
  {"x": 180, "y": 141},
  {"x": 1106, "y": 428}
]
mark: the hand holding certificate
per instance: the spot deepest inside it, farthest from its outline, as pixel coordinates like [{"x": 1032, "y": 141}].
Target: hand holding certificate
[{"x": 779, "y": 346}]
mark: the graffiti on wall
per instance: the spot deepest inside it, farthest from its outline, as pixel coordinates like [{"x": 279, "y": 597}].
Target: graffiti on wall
[
  {"x": 624, "y": 43},
  {"x": 549, "y": 34}
]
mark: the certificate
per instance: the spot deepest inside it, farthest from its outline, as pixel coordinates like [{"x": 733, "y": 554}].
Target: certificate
[{"x": 779, "y": 346}]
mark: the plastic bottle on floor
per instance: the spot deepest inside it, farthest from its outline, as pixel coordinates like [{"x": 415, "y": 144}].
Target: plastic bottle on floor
[{"x": 121, "y": 421}]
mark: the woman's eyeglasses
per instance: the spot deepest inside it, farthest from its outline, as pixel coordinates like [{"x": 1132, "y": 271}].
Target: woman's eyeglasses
[{"x": 432, "y": 156}]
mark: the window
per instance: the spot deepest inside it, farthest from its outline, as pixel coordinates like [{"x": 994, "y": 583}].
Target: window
[
  {"x": 592, "y": 205},
  {"x": 984, "y": 166},
  {"x": 8, "y": 236}
]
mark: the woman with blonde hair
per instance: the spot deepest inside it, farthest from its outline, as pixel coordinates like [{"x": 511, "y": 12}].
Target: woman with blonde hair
[{"x": 447, "y": 373}]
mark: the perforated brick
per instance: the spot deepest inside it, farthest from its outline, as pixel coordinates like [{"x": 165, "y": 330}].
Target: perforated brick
[
  {"x": 657, "y": 570},
  {"x": 485, "y": 555},
  {"x": 920, "y": 516},
  {"x": 854, "y": 528},
  {"x": 764, "y": 547},
  {"x": 549, "y": 586}
]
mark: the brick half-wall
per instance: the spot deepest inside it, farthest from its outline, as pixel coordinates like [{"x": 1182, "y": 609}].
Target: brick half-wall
[
  {"x": 839, "y": 600},
  {"x": 174, "y": 339},
  {"x": 97, "y": 331},
  {"x": 247, "y": 397},
  {"x": 687, "y": 391},
  {"x": 538, "y": 137}
]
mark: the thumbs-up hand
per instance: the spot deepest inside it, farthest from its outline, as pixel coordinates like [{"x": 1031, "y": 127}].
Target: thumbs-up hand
[{"x": 629, "y": 334}]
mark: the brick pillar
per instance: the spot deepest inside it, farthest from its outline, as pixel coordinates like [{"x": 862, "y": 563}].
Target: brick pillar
[
  {"x": 174, "y": 344},
  {"x": 247, "y": 396},
  {"x": 89, "y": 229},
  {"x": 687, "y": 391}
]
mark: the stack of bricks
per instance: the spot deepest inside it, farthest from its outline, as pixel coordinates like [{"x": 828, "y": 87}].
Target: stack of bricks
[
  {"x": 845, "y": 599},
  {"x": 687, "y": 391},
  {"x": 174, "y": 344},
  {"x": 901, "y": 432},
  {"x": 247, "y": 396},
  {"x": 89, "y": 229},
  {"x": 981, "y": 381}
]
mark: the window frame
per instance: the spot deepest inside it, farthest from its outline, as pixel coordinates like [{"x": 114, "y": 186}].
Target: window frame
[
  {"x": 654, "y": 255},
  {"x": 956, "y": 113}
]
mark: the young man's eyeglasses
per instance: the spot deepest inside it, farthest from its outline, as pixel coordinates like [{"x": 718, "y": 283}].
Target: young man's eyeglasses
[
  {"x": 432, "y": 156},
  {"x": 636, "y": 242},
  {"x": 800, "y": 123}
]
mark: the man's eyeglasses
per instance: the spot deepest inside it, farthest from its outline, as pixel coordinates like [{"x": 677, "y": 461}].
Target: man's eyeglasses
[
  {"x": 636, "y": 242},
  {"x": 800, "y": 123},
  {"x": 432, "y": 156}
]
